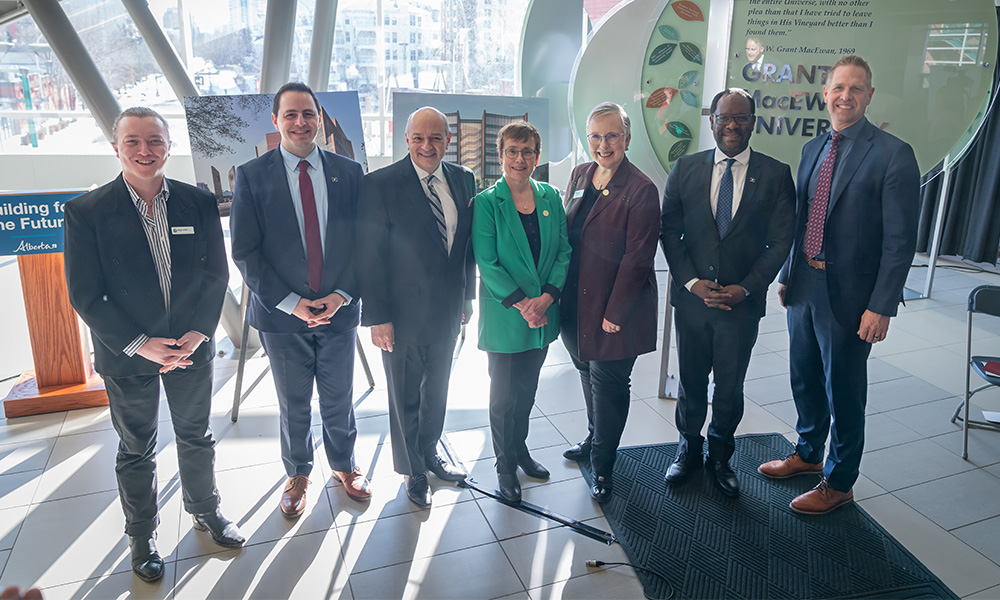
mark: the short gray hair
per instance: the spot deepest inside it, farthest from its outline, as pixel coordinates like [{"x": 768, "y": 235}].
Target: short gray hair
[
  {"x": 140, "y": 112},
  {"x": 610, "y": 108}
]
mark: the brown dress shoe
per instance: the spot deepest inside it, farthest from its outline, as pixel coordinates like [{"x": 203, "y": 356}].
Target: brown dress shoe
[
  {"x": 821, "y": 500},
  {"x": 355, "y": 484},
  {"x": 293, "y": 500},
  {"x": 790, "y": 466}
]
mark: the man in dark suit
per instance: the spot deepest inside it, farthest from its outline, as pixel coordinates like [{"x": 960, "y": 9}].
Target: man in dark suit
[
  {"x": 292, "y": 227},
  {"x": 726, "y": 228},
  {"x": 856, "y": 230},
  {"x": 146, "y": 270},
  {"x": 418, "y": 280}
]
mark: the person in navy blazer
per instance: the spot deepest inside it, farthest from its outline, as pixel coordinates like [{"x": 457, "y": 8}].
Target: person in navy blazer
[
  {"x": 841, "y": 297},
  {"x": 146, "y": 270},
  {"x": 418, "y": 280},
  {"x": 720, "y": 267},
  {"x": 308, "y": 327}
]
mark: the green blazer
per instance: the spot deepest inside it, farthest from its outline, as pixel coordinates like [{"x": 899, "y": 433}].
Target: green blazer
[{"x": 507, "y": 268}]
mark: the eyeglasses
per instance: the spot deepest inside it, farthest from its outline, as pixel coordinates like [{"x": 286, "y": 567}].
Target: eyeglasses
[
  {"x": 611, "y": 138},
  {"x": 527, "y": 153},
  {"x": 743, "y": 119}
]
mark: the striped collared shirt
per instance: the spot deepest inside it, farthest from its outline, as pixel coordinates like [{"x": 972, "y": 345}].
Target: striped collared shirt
[{"x": 157, "y": 234}]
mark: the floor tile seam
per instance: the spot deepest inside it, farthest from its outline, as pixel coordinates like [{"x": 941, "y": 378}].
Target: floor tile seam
[
  {"x": 933, "y": 438},
  {"x": 593, "y": 571},
  {"x": 415, "y": 558},
  {"x": 921, "y": 403},
  {"x": 524, "y": 588}
]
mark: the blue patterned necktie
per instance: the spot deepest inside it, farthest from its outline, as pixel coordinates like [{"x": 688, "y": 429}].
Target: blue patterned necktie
[{"x": 724, "y": 207}]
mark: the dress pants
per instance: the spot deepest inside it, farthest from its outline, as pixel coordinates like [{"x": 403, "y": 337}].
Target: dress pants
[
  {"x": 417, "y": 377},
  {"x": 719, "y": 341},
  {"x": 297, "y": 360},
  {"x": 134, "y": 403},
  {"x": 513, "y": 383},
  {"x": 829, "y": 376}
]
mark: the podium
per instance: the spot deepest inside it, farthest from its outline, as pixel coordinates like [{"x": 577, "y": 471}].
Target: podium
[{"x": 63, "y": 377}]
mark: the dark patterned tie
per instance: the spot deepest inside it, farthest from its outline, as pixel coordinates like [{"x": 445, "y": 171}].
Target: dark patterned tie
[
  {"x": 817, "y": 214},
  {"x": 314, "y": 245},
  {"x": 724, "y": 206},
  {"x": 438, "y": 210}
]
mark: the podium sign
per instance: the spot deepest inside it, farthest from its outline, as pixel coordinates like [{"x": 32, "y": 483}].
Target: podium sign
[{"x": 63, "y": 377}]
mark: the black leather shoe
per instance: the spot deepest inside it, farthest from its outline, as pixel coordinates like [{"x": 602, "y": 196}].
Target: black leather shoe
[
  {"x": 601, "y": 490},
  {"x": 532, "y": 468},
  {"x": 683, "y": 468},
  {"x": 510, "y": 487},
  {"x": 579, "y": 451},
  {"x": 224, "y": 532},
  {"x": 724, "y": 478},
  {"x": 418, "y": 490},
  {"x": 443, "y": 469},
  {"x": 146, "y": 562}
]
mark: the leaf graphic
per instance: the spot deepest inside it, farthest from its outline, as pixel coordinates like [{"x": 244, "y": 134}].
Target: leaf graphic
[
  {"x": 669, "y": 32},
  {"x": 687, "y": 10},
  {"x": 660, "y": 97},
  {"x": 678, "y": 150},
  {"x": 689, "y": 99},
  {"x": 661, "y": 53},
  {"x": 690, "y": 52},
  {"x": 679, "y": 130},
  {"x": 688, "y": 79}
]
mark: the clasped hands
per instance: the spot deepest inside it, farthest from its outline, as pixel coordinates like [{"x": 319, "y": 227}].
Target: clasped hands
[
  {"x": 533, "y": 310},
  {"x": 171, "y": 353},
  {"x": 723, "y": 297},
  {"x": 319, "y": 311}
]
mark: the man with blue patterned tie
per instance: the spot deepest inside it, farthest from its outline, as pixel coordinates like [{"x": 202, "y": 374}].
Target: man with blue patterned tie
[{"x": 726, "y": 228}]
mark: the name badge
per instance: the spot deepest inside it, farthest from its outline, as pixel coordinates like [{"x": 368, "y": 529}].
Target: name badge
[
  {"x": 182, "y": 230},
  {"x": 578, "y": 194}
]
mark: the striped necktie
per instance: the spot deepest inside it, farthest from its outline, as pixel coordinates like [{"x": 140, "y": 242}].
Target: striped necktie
[
  {"x": 438, "y": 210},
  {"x": 724, "y": 206}
]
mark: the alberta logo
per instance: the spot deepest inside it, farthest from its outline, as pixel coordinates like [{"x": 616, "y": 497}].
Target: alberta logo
[{"x": 34, "y": 247}]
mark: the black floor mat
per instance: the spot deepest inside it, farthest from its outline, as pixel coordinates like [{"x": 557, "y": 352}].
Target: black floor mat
[{"x": 709, "y": 546}]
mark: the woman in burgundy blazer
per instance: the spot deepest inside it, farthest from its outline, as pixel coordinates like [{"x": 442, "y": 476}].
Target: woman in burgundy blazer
[{"x": 608, "y": 305}]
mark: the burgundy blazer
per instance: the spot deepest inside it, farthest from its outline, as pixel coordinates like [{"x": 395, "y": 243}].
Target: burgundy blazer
[{"x": 617, "y": 281}]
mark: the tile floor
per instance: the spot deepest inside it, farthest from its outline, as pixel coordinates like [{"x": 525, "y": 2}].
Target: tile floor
[{"x": 60, "y": 519}]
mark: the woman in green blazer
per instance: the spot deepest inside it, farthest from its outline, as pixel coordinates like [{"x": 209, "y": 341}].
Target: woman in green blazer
[{"x": 520, "y": 242}]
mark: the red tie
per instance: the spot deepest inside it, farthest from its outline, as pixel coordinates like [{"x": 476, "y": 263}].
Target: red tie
[
  {"x": 314, "y": 246},
  {"x": 817, "y": 214}
]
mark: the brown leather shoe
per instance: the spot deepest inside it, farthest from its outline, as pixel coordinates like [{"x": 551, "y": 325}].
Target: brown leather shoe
[
  {"x": 355, "y": 484},
  {"x": 821, "y": 500},
  {"x": 293, "y": 499},
  {"x": 790, "y": 466}
]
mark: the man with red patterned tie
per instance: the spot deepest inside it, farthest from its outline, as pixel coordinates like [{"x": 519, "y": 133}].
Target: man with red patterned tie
[
  {"x": 292, "y": 228},
  {"x": 858, "y": 199}
]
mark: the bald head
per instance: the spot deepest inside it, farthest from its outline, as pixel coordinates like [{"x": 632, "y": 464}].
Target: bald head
[{"x": 427, "y": 136}]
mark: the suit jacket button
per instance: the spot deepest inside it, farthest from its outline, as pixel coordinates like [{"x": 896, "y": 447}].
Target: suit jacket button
[
  {"x": 124, "y": 292},
  {"x": 711, "y": 267},
  {"x": 114, "y": 261}
]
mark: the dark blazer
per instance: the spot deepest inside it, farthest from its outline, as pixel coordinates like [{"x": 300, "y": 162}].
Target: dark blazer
[
  {"x": 267, "y": 244},
  {"x": 756, "y": 244},
  {"x": 112, "y": 280},
  {"x": 871, "y": 224},
  {"x": 406, "y": 276},
  {"x": 616, "y": 280}
]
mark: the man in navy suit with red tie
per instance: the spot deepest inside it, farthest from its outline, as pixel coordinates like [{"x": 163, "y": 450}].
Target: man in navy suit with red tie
[
  {"x": 292, "y": 228},
  {"x": 856, "y": 231}
]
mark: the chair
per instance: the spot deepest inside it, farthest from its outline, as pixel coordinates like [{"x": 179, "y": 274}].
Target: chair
[{"x": 984, "y": 299}]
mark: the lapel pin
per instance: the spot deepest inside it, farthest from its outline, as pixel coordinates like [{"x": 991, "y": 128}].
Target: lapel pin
[
  {"x": 545, "y": 213},
  {"x": 333, "y": 180},
  {"x": 605, "y": 192},
  {"x": 752, "y": 180}
]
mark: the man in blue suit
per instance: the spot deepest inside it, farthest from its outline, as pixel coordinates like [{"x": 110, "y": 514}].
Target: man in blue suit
[
  {"x": 726, "y": 228},
  {"x": 858, "y": 198},
  {"x": 292, "y": 228},
  {"x": 146, "y": 270}
]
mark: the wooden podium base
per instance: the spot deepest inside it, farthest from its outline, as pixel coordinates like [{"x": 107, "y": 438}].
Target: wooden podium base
[{"x": 25, "y": 398}]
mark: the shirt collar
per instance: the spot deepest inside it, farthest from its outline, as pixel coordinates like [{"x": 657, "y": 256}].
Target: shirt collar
[
  {"x": 422, "y": 174},
  {"x": 292, "y": 162},
  {"x": 137, "y": 200},
  {"x": 854, "y": 130},
  {"x": 742, "y": 159}
]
